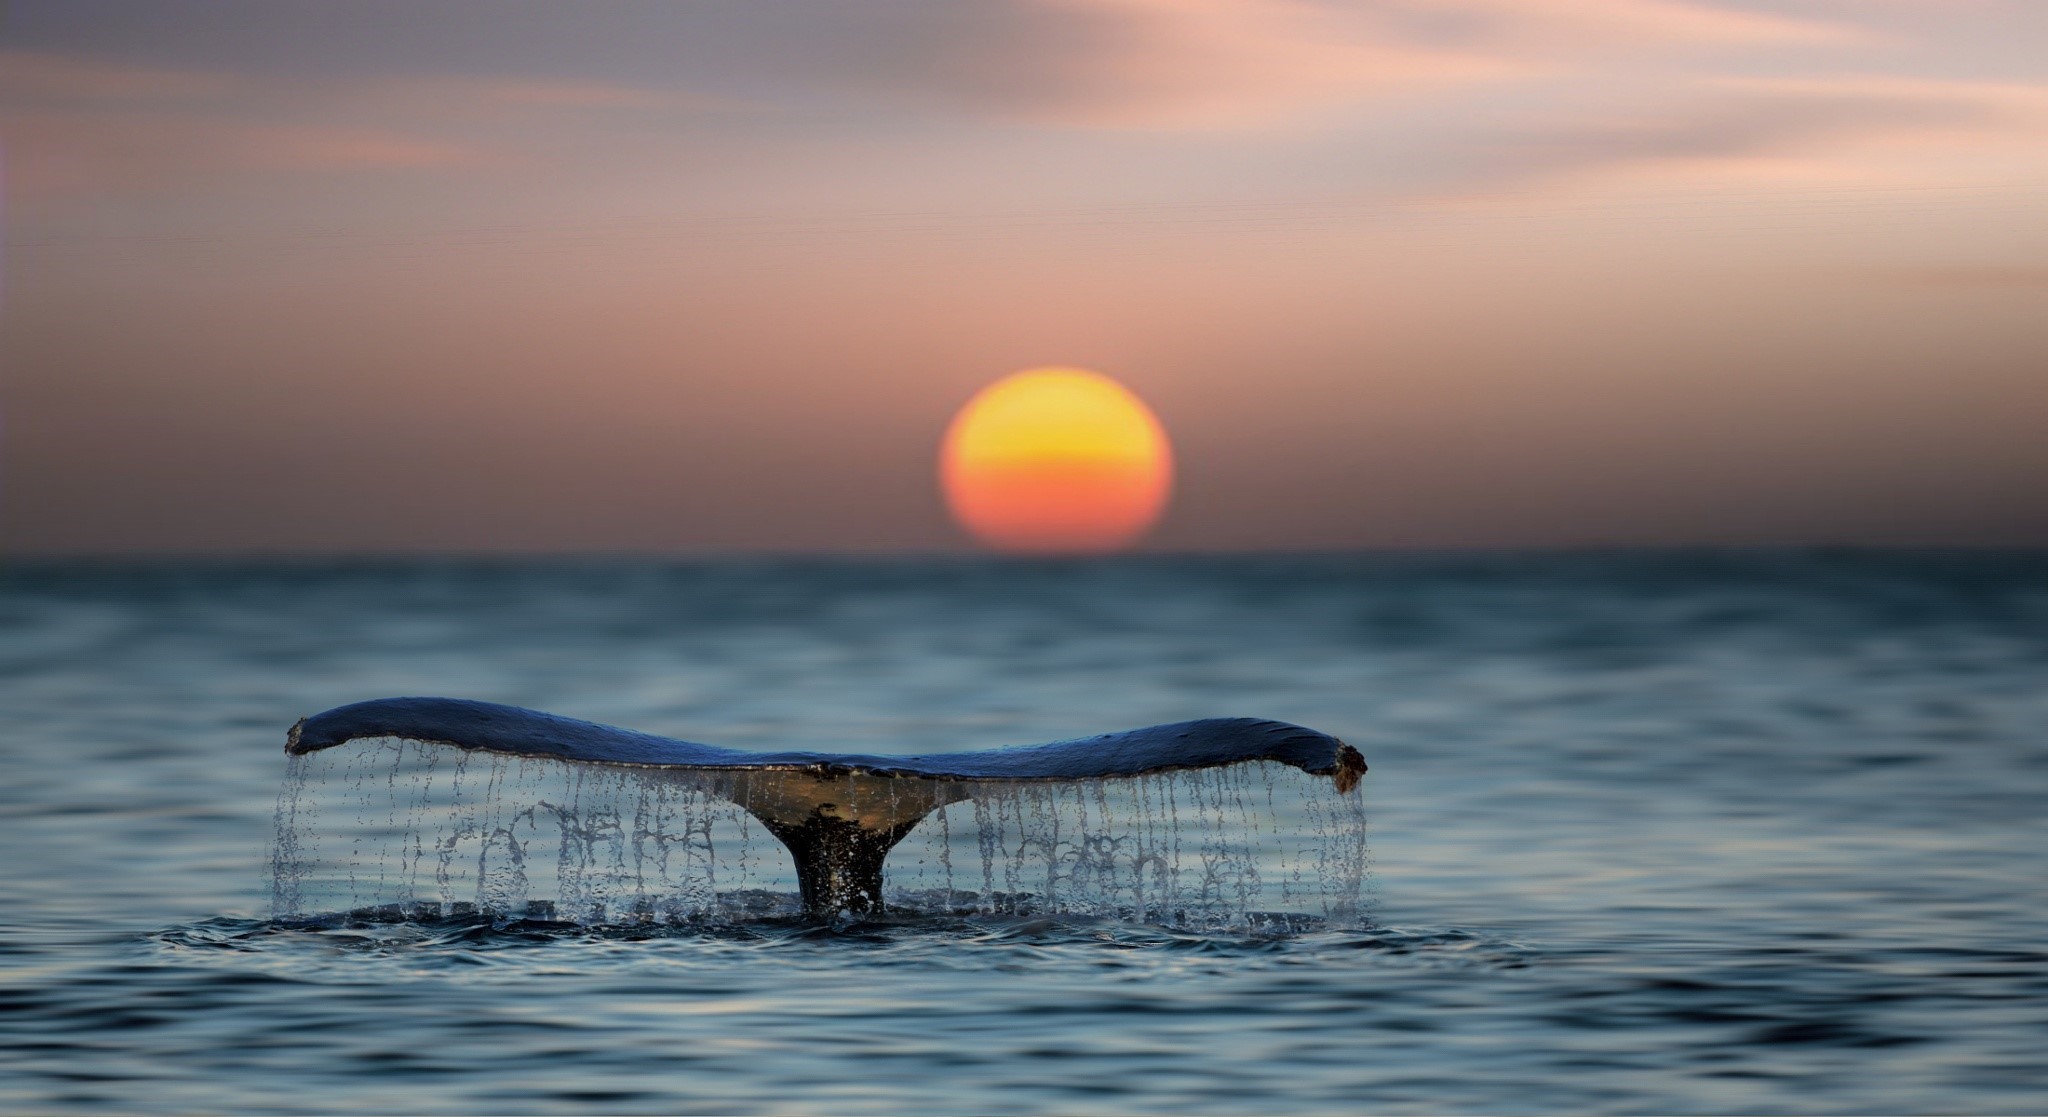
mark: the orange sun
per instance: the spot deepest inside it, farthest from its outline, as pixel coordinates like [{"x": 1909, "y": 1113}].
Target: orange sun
[{"x": 1056, "y": 460}]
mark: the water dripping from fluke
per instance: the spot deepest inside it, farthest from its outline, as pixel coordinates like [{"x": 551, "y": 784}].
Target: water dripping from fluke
[{"x": 1182, "y": 825}]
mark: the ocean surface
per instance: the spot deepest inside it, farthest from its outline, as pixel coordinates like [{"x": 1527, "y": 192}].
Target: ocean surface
[{"x": 1677, "y": 833}]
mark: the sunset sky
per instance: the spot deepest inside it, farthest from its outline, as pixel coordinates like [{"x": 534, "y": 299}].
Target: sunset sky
[{"x": 715, "y": 277}]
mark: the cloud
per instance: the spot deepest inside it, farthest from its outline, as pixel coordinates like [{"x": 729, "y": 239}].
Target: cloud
[
  {"x": 1815, "y": 129},
  {"x": 59, "y": 153},
  {"x": 503, "y": 100},
  {"x": 1584, "y": 25},
  {"x": 1221, "y": 64},
  {"x": 27, "y": 78},
  {"x": 85, "y": 126},
  {"x": 2014, "y": 99},
  {"x": 81, "y": 126},
  {"x": 1158, "y": 63},
  {"x": 1470, "y": 91}
]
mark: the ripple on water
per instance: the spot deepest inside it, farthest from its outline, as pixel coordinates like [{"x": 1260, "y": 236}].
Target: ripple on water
[{"x": 341, "y": 946}]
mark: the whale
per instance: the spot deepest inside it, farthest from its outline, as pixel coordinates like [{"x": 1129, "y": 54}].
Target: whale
[{"x": 838, "y": 814}]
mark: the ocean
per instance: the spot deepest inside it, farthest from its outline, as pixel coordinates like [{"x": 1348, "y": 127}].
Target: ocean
[{"x": 1677, "y": 832}]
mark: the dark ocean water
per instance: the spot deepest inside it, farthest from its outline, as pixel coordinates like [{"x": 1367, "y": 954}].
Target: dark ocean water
[{"x": 1679, "y": 833}]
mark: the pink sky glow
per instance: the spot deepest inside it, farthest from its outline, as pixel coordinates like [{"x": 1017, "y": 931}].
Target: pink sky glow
[{"x": 599, "y": 278}]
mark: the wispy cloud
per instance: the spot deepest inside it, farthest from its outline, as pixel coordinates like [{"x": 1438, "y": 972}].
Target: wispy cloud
[
  {"x": 82, "y": 125},
  {"x": 27, "y": 78},
  {"x": 1488, "y": 91},
  {"x": 1222, "y": 64},
  {"x": 55, "y": 152},
  {"x": 1582, "y": 25},
  {"x": 1164, "y": 63},
  {"x": 1820, "y": 130}
]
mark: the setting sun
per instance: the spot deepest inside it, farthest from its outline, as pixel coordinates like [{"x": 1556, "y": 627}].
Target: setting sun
[{"x": 1056, "y": 460}]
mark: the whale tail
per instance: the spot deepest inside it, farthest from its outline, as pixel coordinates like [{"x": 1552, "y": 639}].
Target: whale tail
[{"x": 839, "y": 815}]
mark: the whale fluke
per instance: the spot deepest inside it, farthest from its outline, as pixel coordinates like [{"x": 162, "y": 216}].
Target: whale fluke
[{"x": 839, "y": 814}]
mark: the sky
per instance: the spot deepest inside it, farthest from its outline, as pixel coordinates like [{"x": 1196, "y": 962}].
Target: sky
[{"x": 482, "y": 276}]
